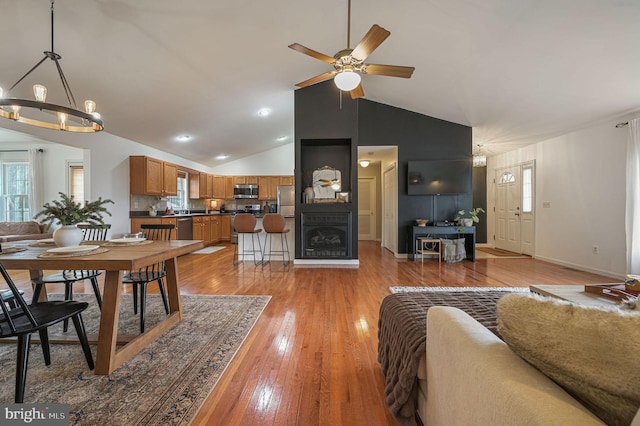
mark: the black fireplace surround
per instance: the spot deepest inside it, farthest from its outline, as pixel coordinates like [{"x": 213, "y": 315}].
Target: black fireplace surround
[{"x": 326, "y": 235}]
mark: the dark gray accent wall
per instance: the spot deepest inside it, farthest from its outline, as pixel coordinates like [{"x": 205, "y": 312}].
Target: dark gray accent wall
[
  {"x": 321, "y": 114},
  {"x": 324, "y": 125},
  {"x": 418, "y": 137}
]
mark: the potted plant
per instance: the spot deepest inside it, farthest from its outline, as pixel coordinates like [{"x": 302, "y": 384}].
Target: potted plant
[
  {"x": 68, "y": 214},
  {"x": 472, "y": 216}
]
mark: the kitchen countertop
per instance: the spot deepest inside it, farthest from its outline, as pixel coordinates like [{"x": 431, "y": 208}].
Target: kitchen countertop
[{"x": 216, "y": 213}]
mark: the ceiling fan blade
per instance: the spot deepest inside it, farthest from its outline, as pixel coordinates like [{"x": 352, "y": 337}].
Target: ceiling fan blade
[
  {"x": 317, "y": 79},
  {"x": 389, "y": 70},
  {"x": 300, "y": 48},
  {"x": 358, "y": 92},
  {"x": 370, "y": 42}
]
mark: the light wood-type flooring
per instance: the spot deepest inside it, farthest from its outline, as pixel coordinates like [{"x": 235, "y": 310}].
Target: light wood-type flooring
[{"x": 311, "y": 358}]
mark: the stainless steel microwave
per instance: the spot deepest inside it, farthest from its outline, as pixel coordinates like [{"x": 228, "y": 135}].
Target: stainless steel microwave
[{"x": 245, "y": 191}]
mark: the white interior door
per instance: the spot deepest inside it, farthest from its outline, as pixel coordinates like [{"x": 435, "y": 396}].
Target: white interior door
[
  {"x": 508, "y": 209},
  {"x": 367, "y": 208},
  {"x": 389, "y": 206}
]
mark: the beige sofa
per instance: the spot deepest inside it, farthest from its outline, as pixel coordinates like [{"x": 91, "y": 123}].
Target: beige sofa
[
  {"x": 17, "y": 231},
  {"x": 471, "y": 377}
]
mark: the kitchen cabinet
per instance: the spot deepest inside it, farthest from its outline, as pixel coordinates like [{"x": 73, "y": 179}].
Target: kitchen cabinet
[
  {"x": 225, "y": 227},
  {"x": 245, "y": 180},
  {"x": 150, "y": 176},
  {"x": 228, "y": 187},
  {"x": 215, "y": 229},
  {"x": 286, "y": 180},
  {"x": 218, "y": 187},
  {"x": 200, "y": 185},
  {"x": 198, "y": 228},
  {"x": 207, "y": 230},
  {"x": 268, "y": 187},
  {"x": 137, "y": 222}
]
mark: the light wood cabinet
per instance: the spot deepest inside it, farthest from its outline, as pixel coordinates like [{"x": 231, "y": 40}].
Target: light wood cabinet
[
  {"x": 268, "y": 187},
  {"x": 225, "y": 227},
  {"x": 150, "y": 176},
  {"x": 228, "y": 187},
  {"x": 219, "y": 187},
  {"x": 207, "y": 230},
  {"x": 198, "y": 228},
  {"x": 215, "y": 229},
  {"x": 286, "y": 180},
  {"x": 245, "y": 180},
  {"x": 137, "y": 222},
  {"x": 200, "y": 185}
]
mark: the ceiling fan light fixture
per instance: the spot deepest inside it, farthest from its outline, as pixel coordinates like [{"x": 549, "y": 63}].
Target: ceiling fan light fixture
[
  {"x": 364, "y": 163},
  {"x": 347, "y": 80}
]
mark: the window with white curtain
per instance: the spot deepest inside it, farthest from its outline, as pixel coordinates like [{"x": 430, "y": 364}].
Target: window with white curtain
[{"x": 15, "y": 186}]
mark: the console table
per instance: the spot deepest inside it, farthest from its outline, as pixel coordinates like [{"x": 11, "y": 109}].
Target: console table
[{"x": 468, "y": 232}]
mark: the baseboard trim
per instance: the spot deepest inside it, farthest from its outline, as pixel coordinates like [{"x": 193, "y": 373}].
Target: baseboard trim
[
  {"x": 581, "y": 267},
  {"x": 326, "y": 263}
]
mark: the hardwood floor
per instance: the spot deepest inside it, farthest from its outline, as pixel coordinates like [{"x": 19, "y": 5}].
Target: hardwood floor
[{"x": 311, "y": 359}]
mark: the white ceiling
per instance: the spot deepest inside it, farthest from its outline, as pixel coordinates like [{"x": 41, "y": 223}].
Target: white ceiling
[{"x": 517, "y": 71}]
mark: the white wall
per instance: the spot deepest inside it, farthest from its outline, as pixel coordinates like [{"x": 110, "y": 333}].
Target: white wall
[
  {"x": 582, "y": 176},
  {"x": 276, "y": 161}
]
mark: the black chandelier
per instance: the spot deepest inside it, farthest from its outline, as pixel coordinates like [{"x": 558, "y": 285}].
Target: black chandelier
[{"x": 42, "y": 114}]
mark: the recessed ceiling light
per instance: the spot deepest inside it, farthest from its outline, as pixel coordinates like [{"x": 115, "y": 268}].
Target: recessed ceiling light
[
  {"x": 183, "y": 138},
  {"x": 263, "y": 112},
  {"x": 222, "y": 157},
  {"x": 282, "y": 138}
]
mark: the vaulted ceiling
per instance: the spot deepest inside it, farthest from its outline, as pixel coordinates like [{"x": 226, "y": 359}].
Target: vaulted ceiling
[{"x": 517, "y": 71}]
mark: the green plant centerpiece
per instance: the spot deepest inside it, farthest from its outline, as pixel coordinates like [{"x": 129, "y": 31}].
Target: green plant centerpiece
[
  {"x": 469, "y": 218},
  {"x": 68, "y": 213}
]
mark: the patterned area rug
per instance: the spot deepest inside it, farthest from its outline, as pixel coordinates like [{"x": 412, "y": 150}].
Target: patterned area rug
[{"x": 166, "y": 383}]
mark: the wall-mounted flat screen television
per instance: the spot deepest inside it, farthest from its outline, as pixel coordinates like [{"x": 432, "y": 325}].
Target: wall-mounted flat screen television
[{"x": 439, "y": 177}]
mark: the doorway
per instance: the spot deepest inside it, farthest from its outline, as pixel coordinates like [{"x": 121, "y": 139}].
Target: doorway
[
  {"x": 514, "y": 210},
  {"x": 367, "y": 208}
]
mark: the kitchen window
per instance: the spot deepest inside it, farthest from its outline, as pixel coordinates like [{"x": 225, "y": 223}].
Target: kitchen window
[{"x": 181, "y": 201}]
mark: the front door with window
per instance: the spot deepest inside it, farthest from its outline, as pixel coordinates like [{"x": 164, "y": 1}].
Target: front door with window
[{"x": 514, "y": 209}]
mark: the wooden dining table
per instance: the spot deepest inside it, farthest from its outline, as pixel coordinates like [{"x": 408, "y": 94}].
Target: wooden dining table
[{"x": 114, "y": 259}]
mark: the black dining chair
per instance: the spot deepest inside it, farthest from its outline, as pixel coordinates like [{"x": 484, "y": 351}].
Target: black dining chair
[
  {"x": 156, "y": 272},
  {"x": 68, "y": 277},
  {"x": 25, "y": 320}
]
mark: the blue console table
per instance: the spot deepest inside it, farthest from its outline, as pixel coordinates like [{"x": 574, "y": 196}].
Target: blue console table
[{"x": 468, "y": 232}]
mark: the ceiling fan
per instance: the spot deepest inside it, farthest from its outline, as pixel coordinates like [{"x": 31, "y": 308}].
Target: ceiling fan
[{"x": 348, "y": 63}]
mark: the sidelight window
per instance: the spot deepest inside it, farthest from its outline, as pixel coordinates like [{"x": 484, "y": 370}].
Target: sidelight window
[{"x": 527, "y": 189}]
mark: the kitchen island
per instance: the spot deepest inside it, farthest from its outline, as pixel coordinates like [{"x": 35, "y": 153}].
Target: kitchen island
[{"x": 274, "y": 239}]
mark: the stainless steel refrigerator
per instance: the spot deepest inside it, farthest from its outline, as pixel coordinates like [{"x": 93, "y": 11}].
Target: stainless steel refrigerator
[{"x": 287, "y": 200}]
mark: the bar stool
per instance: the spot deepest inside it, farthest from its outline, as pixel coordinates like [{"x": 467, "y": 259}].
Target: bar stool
[
  {"x": 429, "y": 246},
  {"x": 245, "y": 224},
  {"x": 274, "y": 223}
]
